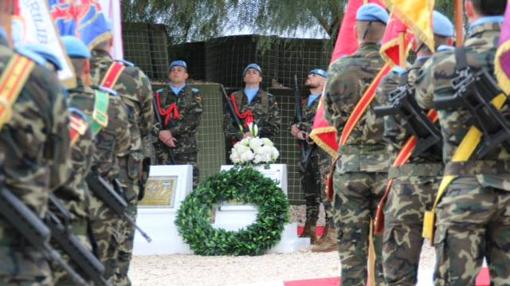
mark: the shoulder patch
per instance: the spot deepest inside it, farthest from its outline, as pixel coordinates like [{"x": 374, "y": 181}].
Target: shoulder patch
[
  {"x": 126, "y": 63},
  {"x": 31, "y": 55}
]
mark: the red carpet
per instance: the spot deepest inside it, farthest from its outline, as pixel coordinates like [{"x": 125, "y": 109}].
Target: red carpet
[{"x": 483, "y": 280}]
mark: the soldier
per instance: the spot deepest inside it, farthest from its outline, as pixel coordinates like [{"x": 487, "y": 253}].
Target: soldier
[
  {"x": 361, "y": 170},
  {"x": 34, "y": 148},
  {"x": 415, "y": 183},
  {"x": 473, "y": 214},
  {"x": 314, "y": 169},
  {"x": 253, "y": 105},
  {"x": 180, "y": 107},
  {"x": 135, "y": 90}
]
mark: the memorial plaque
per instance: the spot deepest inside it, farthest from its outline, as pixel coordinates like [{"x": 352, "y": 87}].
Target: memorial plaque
[{"x": 160, "y": 191}]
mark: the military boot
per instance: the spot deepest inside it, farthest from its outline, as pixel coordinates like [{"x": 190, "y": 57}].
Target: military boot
[
  {"x": 328, "y": 241},
  {"x": 309, "y": 231}
]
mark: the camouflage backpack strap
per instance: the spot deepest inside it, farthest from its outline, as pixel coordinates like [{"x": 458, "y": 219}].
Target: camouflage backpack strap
[
  {"x": 99, "y": 118},
  {"x": 112, "y": 74},
  {"x": 12, "y": 80}
]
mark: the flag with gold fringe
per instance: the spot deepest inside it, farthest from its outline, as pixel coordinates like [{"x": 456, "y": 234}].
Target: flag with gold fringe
[
  {"x": 396, "y": 42},
  {"x": 323, "y": 134},
  {"x": 502, "y": 61}
]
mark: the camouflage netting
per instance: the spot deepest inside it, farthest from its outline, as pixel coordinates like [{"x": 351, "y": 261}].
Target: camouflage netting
[{"x": 222, "y": 60}]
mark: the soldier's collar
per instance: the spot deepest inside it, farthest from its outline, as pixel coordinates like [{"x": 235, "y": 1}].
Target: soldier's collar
[{"x": 485, "y": 24}]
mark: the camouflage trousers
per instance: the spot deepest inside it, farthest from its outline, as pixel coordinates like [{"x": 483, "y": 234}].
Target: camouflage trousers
[
  {"x": 410, "y": 197},
  {"x": 21, "y": 265},
  {"x": 180, "y": 159},
  {"x": 356, "y": 197},
  {"x": 473, "y": 222},
  {"x": 312, "y": 183},
  {"x": 106, "y": 228},
  {"x": 125, "y": 250}
]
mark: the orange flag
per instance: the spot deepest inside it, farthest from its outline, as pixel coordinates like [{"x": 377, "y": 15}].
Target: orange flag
[
  {"x": 417, "y": 15},
  {"x": 323, "y": 134}
]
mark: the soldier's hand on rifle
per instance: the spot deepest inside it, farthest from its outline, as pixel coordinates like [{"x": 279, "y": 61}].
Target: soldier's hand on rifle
[
  {"x": 294, "y": 130},
  {"x": 302, "y": 135},
  {"x": 166, "y": 137}
]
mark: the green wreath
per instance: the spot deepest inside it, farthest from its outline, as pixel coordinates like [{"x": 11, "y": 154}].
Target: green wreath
[{"x": 247, "y": 186}]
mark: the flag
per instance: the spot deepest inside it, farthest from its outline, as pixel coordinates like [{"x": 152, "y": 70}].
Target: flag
[
  {"x": 502, "y": 61},
  {"x": 32, "y": 24},
  {"x": 84, "y": 19},
  {"x": 111, "y": 8},
  {"x": 323, "y": 134},
  {"x": 417, "y": 15},
  {"x": 396, "y": 42}
]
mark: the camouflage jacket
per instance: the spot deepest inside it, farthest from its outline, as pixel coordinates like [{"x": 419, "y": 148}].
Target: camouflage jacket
[
  {"x": 394, "y": 132},
  {"x": 435, "y": 82},
  {"x": 35, "y": 142},
  {"x": 308, "y": 115},
  {"x": 135, "y": 90},
  {"x": 349, "y": 77},
  {"x": 266, "y": 115},
  {"x": 75, "y": 195},
  {"x": 184, "y": 129}
]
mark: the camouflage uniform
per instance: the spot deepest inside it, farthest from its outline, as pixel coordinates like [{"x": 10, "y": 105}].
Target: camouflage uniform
[
  {"x": 112, "y": 142},
  {"x": 184, "y": 130},
  {"x": 473, "y": 216},
  {"x": 265, "y": 112},
  {"x": 33, "y": 144},
  {"x": 76, "y": 195},
  {"x": 135, "y": 90},
  {"x": 360, "y": 174},
  {"x": 412, "y": 193},
  {"x": 314, "y": 177}
]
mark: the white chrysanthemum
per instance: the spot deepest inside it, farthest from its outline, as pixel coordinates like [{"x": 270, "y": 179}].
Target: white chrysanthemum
[
  {"x": 274, "y": 154},
  {"x": 257, "y": 159},
  {"x": 235, "y": 157},
  {"x": 245, "y": 142},
  {"x": 247, "y": 156},
  {"x": 267, "y": 142},
  {"x": 255, "y": 143}
]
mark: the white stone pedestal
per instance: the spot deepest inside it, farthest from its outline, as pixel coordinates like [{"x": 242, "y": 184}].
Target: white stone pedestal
[{"x": 235, "y": 217}]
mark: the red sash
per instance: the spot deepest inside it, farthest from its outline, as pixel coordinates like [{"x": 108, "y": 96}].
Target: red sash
[{"x": 246, "y": 116}]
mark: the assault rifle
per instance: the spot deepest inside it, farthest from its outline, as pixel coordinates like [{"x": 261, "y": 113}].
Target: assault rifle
[
  {"x": 235, "y": 120},
  {"x": 415, "y": 121},
  {"x": 71, "y": 245},
  {"x": 162, "y": 124},
  {"x": 106, "y": 192},
  {"x": 305, "y": 148},
  {"x": 474, "y": 92},
  {"x": 33, "y": 230}
]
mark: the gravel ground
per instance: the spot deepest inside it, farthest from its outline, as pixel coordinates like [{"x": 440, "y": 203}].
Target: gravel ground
[{"x": 266, "y": 270}]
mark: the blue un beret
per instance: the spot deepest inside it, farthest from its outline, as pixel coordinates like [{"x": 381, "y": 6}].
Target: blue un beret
[
  {"x": 372, "y": 12},
  {"x": 319, "y": 72},
  {"x": 253, "y": 67},
  {"x": 75, "y": 47},
  {"x": 442, "y": 25},
  {"x": 47, "y": 54},
  {"x": 178, "y": 63}
]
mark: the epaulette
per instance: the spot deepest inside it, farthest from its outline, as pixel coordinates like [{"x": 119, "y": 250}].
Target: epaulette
[
  {"x": 107, "y": 90},
  {"x": 126, "y": 63},
  {"x": 31, "y": 55}
]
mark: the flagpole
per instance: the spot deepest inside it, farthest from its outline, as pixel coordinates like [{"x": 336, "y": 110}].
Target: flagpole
[{"x": 459, "y": 22}]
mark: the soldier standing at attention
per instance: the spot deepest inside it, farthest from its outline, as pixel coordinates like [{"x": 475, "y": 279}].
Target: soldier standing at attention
[
  {"x": 361, "y": 171},
  {"x": 252, "y": 105},
  {"x": 34, "y": 151},
  {"x": 314, "y": 170},
  {"x": 180, "y": 107},
  {"x": 472, "y": 217},
  {"x": 135, "y": 91},
  {"x": 416, "y": 182}
]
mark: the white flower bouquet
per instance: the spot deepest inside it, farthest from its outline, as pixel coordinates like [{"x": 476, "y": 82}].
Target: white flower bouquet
[{"x": 254, "y": 150}]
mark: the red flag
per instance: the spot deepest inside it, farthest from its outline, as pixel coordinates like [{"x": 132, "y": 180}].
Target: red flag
[
  {"x": 396, "y": 42},
  {"x": 323, "y": 134}
]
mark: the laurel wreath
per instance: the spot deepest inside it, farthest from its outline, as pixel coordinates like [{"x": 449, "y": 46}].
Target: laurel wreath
[{"x": 245, "y": 185}]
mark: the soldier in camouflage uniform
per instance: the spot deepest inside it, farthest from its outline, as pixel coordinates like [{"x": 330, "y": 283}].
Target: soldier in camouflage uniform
[
  {"x": 114, "y": 144},
  {"x": 180, "y": 109},
  {"x": 415, "y": 183},
  {"x": 253, "y": 105},
  {"x": 135, "y": 90},
  {"x": 361, "y": 172},
  {"x": 314, "y": 171},
  {"x": 34, "y": 147},
  {"x": 473, "y": 218}
]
